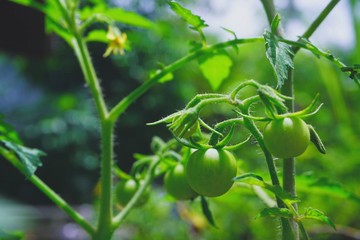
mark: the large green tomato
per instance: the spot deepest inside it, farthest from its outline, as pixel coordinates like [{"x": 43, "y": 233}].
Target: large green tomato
[
  {"x": 210, "y": 172},
  {"x": 177, "y": 185},
  {"x": 125, "y": 190},
  {"x": 286, "y": 137}
]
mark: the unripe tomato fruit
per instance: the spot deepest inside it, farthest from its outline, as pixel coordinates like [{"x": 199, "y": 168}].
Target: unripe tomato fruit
[
  {"x": 125, "y": 190},
  {"x": 286, "y": 137},
  {"x": 210, "y": 172},
  {"x": 177, "y": 185}
]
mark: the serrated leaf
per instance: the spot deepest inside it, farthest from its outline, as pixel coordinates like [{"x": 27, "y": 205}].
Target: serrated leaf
[
  {"x": 194, "y": 20},
  {"x": 207, "y": 212},
  {"x": 30, "y": 157},
  {"x": 215, "y": 68},
  {"x": 280, "y": 57},
  {"x": 315, "y": 214},
  {"x": 275, "y": 212}
]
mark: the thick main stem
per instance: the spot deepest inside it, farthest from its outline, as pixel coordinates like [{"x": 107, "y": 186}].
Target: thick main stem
[
  {"x": 289, "y": 171},
  {"x": 104, "y": 229}
]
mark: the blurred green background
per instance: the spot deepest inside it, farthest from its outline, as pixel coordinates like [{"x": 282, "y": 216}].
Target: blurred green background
[{"x": 43, "y": 95}]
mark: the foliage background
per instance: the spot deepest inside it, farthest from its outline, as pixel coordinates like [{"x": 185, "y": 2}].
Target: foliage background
[{"x": 43, "y": 95}]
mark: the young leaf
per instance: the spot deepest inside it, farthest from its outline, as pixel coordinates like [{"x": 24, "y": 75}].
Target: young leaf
[
  {"x": 314, "y": 137},
  {"x": 30, "y": 157},
  {"x": 275, "y": 212},
  {"x": 194, "y": 20},
  {"x": 279, "y": 55},
  {"x": 311, "y": 213},
  {"x": 97, "y": 35},
  {"x": 275, "y": 23},
  {"x": 206, "y": 211},
  {"x": 215, "y": 68}
]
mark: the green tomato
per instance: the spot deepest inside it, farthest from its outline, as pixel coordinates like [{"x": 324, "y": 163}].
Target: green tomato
[
  {"x": 177, "y": 185},
  {"x": 125, "y": 190},
  {"x": 210, "y": 172},
  {"x": 188, "y": 133},
  {"x": 286, "y": 137}
]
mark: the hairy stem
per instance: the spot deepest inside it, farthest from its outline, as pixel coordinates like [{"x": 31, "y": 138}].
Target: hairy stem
[{"x": 289, "y": 172}]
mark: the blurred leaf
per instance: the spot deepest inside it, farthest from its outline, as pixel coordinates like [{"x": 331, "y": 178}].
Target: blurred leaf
[
  {"x": 194, "y": 20},
  {"x": 275, "y": 212},
  {"x": 253, "y": 179},
  {"x": 311, "y": 213},
  {"x": 97, "y": 35},
  {"x": 30, "y": 157},
  {"x": 324, "y": 185},
  {"x": 8, "y": 133},
  {"x": 279, "y": 55},
  {"x": 215, "y": 68},
  {"x": 207, "y": 212},
  {"x": 118, "y": 15},
  {"x": 17, "y": 235}
]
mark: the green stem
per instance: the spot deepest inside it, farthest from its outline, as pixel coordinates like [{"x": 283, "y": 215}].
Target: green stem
[
  {"x": 289, "y": 172},
  {"x": 53, "y": 196},
  {"x": 134, "y": 95},
  {"x": 104, "y": 230},
  {"x": 316, "y": 23},
  {"x": 148, "y": 178},
  {"x": 88, "y": 70},
  {"x": 287, "y": 230}
]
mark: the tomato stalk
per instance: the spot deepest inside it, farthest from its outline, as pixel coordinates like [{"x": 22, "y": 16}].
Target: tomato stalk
[{"x": 289, "y": 168}]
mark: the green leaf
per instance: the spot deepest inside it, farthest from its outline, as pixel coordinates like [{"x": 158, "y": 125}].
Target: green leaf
[
  {"x": 324, "y": 186},
  {"x": 215, "y": 68},
  {"x": 275, "y": 212},
  {"x": 207, "y": 212},
  {"x": 279, "y": 55},
  {"x": 30, "y": 157},
  {"x": 8, "y": 133},
  {"x": 15, "y": 235},
  {"x": 315, "y": 214},
  {"x": 194, "y": 20},
  {"x": 253, "y": 179},
  {"x": 97, "y": 35},
  {"x": 118, "y": 15}
]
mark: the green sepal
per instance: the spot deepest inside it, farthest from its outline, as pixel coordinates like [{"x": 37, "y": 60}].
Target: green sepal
[
  {"x": 207, "y": 212},
  {"x": 315, "y": 138}
]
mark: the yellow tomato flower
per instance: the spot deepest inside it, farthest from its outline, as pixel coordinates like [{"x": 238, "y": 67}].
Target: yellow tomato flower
[{"x": 117, "y": 41}]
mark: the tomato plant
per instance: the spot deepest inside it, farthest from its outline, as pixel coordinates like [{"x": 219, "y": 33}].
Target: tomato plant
[
  {"x": 176, "y": 183},
  {"x": 210, "y": 172},
  {"x": 126, "y": 189},
  {"x": 286, "y": 137}
]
